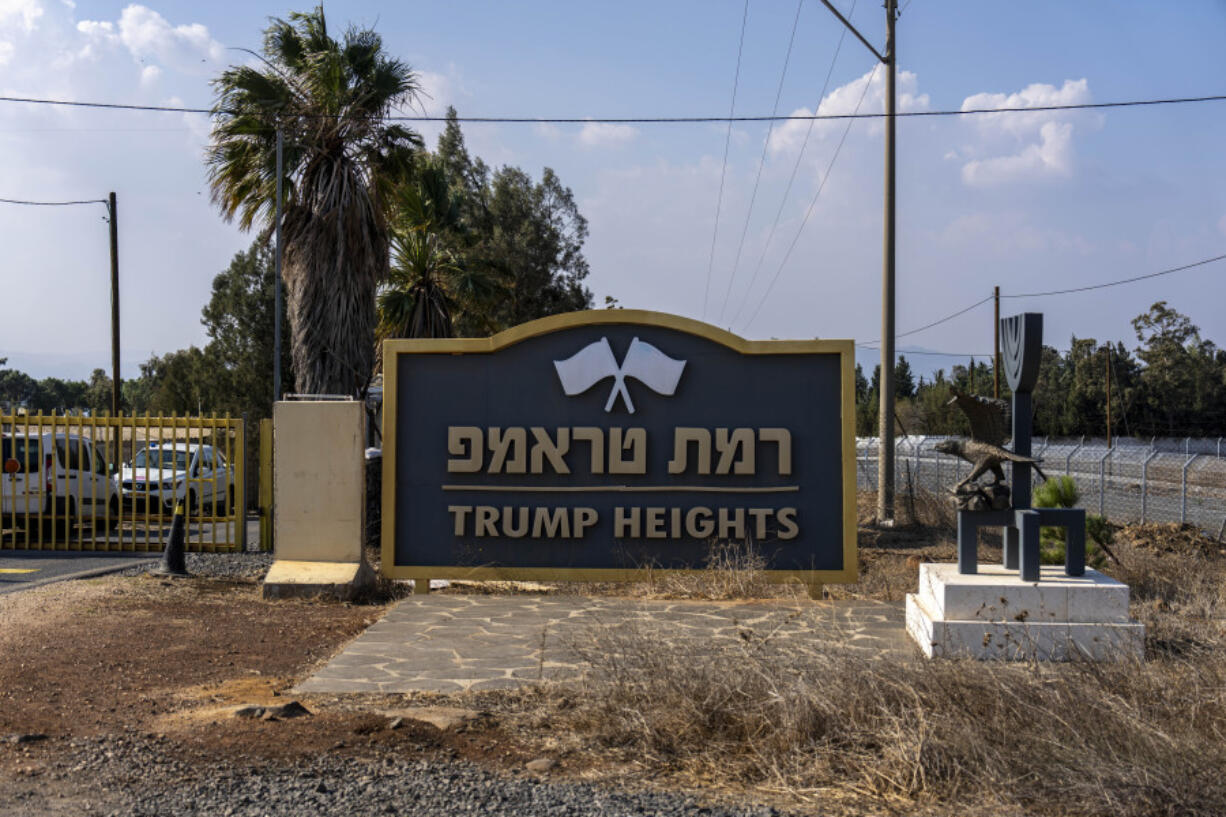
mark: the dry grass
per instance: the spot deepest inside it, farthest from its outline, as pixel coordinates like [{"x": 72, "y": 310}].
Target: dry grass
[{"x": 845, "y": 731}]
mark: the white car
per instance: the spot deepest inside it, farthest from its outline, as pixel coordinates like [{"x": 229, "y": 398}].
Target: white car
[
  {"x": 164, "y": 474},
  {"x": 65, "y": 477}
]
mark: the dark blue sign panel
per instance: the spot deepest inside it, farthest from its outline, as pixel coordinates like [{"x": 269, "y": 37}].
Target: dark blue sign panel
[{"x": 588, "y": 446}]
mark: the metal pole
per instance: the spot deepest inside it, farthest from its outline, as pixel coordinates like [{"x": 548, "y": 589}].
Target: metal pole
[
  {"x": 1183, "y": 498},
  {"x": 113, "y": 212},
  {"x": 885, "y": 460},
  {"x": 1102, "y": 482},
  {"x": 1108, "y": 395},
  {"x": 276, "y": 308},
  {"x": 1145, "y": 483},
  {"x": 996, "y": 341}
]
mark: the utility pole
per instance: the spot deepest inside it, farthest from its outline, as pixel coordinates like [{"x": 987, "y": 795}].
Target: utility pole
[
  {"x": 113, "y": 217},
  {"x": 885, "y": 427},
  {"x": 276, "y": 300},
  {"x": 996, "y": 344},
  {"x": 1108, "y": 395}
]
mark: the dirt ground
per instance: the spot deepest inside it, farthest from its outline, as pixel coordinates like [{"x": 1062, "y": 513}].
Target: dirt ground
[{"x": 171, "y": 660}]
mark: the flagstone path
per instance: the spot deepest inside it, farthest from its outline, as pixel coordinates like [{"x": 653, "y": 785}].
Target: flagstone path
[{"x": 449, "y": 643}]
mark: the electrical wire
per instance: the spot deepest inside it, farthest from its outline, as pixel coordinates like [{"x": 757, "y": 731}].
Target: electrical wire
[
  {"x": 53, "y": 203},
  {"x": 927, "y": 326},
  {"x": 719, "y": 201},
  {"x": 649, "y": 120},
  {"x": 753, "y": 197},
  {"x": 795, "y": 168},
  {"x": 822, "y": 186},
  {"x": 1119, "y": 282}
]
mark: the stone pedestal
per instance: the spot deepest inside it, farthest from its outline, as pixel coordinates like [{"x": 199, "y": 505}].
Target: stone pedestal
[
  {"x": 993, "y": 614},
  {"x": 319, "y": 500}
]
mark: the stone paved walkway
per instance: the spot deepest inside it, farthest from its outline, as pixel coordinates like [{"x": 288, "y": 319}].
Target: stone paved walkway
[{"x": 449, "y": 643}]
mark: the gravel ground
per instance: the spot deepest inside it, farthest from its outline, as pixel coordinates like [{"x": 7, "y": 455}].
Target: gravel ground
[
  {"x": 134, "y": 777},
  {"x": 249, "y": 565}
]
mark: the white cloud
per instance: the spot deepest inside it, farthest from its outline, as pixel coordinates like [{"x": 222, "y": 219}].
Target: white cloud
[
  {"x": 189, "y": 48},
  {"x": 149, "y": 75},
  {"x": 1013, "y": 147},
  {"x": 547, "y": 131},
  {"x": 6, "y": 52},
  {"x": 790, "y": 135},
  {"x": 24, "y": 13},
  {"x": 606, "y": 134}
]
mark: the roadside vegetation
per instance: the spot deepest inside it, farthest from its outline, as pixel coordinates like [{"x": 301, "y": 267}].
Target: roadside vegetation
[{"x": 841, "y": 730}]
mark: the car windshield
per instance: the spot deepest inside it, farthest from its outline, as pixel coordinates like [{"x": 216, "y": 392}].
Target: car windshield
[
  {"x": 22, "y": 449},
  {"x": 167, "y": 458}
]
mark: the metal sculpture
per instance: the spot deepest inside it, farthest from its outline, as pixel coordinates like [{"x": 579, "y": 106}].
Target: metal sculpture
[{"x": 1022, "y": 339}]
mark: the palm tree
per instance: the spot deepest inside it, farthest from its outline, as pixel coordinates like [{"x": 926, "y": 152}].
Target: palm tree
[
  {"x": 432, "y": 289},
  {"x": 341, "y": 160}
]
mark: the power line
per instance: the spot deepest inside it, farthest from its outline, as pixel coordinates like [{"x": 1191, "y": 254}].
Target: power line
[
  {"x": 761, "y": 161},
  {"x": 52, "y": 203},
  {"x": 1119, "y": 282},
  {"x": 822, "y": 186},
  {"x": 647, "y": 120},
  {"x": 795, "y": 168},
  {"x": 719, "y": 201},
  {"x": 929, "y": 353},
  {"x": 949, "y": 317}
]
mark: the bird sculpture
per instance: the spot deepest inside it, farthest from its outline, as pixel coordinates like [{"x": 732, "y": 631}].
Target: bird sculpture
[{"x": 985, "y": 449}]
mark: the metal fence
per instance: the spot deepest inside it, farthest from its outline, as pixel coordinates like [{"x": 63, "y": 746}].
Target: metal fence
[
  {"x": 1156, "y": 480},
  {"x": 114, "y": 483}
]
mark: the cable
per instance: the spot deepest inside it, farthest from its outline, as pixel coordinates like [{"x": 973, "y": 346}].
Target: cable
[
  {"x": 1118, "y": 283},
  {"x": 812, "y": 204},
  {"x": 937, "y": 322},
  {"x": 53, "y": 203},
  {"x": 648, "y": 120},
  {"x": 901, "y": 352},
  {"x": 753, "y": 197},
  {"x": 719, "y": 201},
  {"x": 796, "y": 167}
]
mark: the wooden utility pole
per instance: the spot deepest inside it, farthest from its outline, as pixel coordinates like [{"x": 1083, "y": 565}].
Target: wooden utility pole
[
  {"x": 113, "y": 218},
  {"x": 885, "y": 414},
  {"x": 1108, "y": 395},
  {"x": 996, "y": 343}
]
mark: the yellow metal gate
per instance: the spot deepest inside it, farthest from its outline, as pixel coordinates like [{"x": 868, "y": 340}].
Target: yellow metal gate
[{"x": 114, "y": 483}]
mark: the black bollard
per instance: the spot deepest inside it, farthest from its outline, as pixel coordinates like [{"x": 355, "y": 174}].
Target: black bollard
[{"x": 174, "y": 560}]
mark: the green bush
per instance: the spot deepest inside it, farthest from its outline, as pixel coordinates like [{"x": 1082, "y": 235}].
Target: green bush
[{"x": 1061, "y": 492}]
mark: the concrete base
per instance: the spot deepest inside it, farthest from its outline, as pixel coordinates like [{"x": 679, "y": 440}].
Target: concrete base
[
  {"x": 993, "y": 614},
  {"x": 288, "y": 579}
]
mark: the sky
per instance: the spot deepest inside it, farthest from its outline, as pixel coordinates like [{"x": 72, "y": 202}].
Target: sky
[{"x": 1029, "y": 202}]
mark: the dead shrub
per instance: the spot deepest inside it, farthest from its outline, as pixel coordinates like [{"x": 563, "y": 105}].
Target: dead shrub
[
  {"x": 873, "y": 730},
  {"x": 735, "y": 569}
]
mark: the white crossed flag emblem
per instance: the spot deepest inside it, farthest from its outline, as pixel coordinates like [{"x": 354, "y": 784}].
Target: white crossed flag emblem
[{"x": 644, "y": 362}]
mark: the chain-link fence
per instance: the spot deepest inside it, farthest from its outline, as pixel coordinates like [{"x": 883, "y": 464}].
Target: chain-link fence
[{"x": 1158, "y": 480}]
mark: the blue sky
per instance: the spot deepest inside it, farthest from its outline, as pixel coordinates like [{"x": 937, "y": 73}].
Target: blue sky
[{"x": 1031, "y": 202}]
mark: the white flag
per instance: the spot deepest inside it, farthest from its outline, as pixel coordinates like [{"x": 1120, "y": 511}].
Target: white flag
[
  {"x": 587, "y": 367},
  {"x": 651, "y": 367}
]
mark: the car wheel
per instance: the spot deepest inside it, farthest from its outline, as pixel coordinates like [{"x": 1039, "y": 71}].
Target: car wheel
[
  {"x": 113, "y": 513},
  {"x": 63, "y": 519}
]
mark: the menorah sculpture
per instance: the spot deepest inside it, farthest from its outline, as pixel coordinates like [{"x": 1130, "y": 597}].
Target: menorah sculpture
[{"x": 995, "y": 504}]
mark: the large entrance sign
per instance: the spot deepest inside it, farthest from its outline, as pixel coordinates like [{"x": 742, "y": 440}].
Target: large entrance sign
[{"x": 592, "y": 445}]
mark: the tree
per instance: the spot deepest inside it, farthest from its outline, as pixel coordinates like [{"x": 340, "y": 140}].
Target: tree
[
  {"x": 239, "y": 321},
  {"x": 431, "y": 288},
  {"x": 527, "y": 235},
  {"x": 330, "y": 98}
]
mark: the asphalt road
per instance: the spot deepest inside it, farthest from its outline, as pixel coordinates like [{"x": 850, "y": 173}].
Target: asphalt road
[{"x": 21, "y": 570}]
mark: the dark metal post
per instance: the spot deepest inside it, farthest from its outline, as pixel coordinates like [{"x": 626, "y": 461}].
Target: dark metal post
[
  {"x": 276, "y": 309},
  {"x": 885, "y": 455},
  {"x": 1027, "y": 522},
  {"x": 1108, "y": 395},
  {"x": 113, "y": 218},
  {"x": 996, "y": 343},
  {"x": 968, "y": 545}
]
